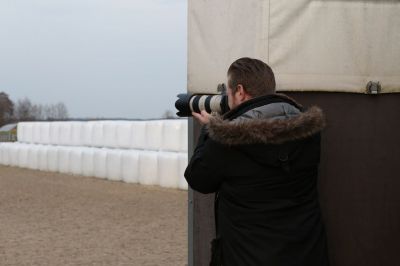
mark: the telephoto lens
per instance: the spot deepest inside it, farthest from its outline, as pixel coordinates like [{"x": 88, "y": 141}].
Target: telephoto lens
[{"x": 188, "y": 103}]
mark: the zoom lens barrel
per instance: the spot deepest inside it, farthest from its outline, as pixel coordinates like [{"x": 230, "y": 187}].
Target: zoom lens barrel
[{"x": 186, "y": 104}]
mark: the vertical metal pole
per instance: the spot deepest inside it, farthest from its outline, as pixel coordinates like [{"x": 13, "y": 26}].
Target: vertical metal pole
[
  {"x": 190, "y": 153},
  {"x": 190, "y": 196}
]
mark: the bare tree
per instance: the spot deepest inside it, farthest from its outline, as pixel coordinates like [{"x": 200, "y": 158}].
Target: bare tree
[
  {"x": 26, "y": 111},
  {"x": 55, "y": 111},
  {"x": 61, "y": 111},
  {"x": 37, "y": 112},
  {"x": 6, "y": 108},
  {"x": 49, "y": 112},
  {"x": 23, "y": 110}
]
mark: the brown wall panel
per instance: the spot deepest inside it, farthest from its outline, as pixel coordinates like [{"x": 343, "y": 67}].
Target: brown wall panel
[{"x": 360, "y": 176}]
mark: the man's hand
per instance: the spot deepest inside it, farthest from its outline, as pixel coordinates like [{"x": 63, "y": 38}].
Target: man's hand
[{"x": 203, "y": 117}]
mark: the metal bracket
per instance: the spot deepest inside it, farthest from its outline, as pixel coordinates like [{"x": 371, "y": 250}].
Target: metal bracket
[{"x": 373, "y": 87}]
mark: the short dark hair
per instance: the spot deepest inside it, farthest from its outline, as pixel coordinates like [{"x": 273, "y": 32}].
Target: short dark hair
[{"x": 256, "y": 77}]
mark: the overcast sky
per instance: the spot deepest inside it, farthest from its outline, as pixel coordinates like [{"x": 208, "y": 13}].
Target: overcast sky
[{"x": 102, "y": 58}]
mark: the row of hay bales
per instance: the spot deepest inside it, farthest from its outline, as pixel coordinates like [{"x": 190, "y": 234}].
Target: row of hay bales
[
  {"x": 145, "y": 152},
  {"x": 165, "y": 135}
]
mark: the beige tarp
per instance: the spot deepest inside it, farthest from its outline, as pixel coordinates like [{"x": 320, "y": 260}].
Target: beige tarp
[{"x": 311, "y": 45}]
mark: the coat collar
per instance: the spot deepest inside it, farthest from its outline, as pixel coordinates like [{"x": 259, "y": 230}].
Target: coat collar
[{"x": 266, "y": 131}]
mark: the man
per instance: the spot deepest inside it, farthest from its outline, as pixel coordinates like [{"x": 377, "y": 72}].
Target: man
[{"x": 261, "y": 158}]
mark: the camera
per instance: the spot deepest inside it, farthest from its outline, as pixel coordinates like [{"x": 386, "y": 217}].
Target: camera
[{"x": 188, "y": 103}]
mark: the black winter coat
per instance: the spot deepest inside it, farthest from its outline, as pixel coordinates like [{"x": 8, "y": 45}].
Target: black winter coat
[{"x": 264, "y": 171}]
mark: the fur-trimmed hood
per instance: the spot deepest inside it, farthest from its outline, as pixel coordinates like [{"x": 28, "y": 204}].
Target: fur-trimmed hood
[{"x": 267, "y": 130}]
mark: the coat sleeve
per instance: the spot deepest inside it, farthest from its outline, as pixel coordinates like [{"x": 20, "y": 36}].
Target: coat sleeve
[{"x": 203, "y": 172}]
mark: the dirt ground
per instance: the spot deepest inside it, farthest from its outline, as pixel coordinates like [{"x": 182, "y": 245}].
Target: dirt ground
[{"x": 55, "y": 219}]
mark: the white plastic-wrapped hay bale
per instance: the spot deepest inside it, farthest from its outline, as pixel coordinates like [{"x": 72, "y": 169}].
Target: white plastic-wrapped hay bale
[
  {"x": 23, "y": 155},
  {"x": 33, "y": 157},
  {"x": 21, "y": 131},
  {"x": 130, "y": 166},
  {"x": 124, "y": 131},
  {"x": 154, "y": 134},
  {"x": 168, "y": 169},
  {"x": 77, "y": 129},
  {"x": 183, "y": 162},
  {"x": 64, "y": 159},
  {"x": 13, "y": 154},
  {"x": 75, "y": 161},
  {"x": 44, "y": 131},
  {"x": 148, "y": 168},
  {"x": 138, "y": 135},
  {"x": 172, "y": 135},
  {"x": 36, "y": 132},
  {"x": 184, "y": 136},
  {"x": 159, "y": 166},
  {"x": 9, "y": 153},
  {"x": 65, "y": 133},
  {"x": 88, "y": 161},
  {"x": 54, "y": 135},
  {"x": 87, "y": 134},
  {"x": 5, "y": 155},
  {"x": 110, "y": 134},
  {"x": 100, "y": 162},
  {"x": 42, "y": 157},
  {"x": 97, "y": 134},
  {"x": 114, "y": 165},
  {"x": 52, "y": 158},
  {"x": 28, "y": 133}
]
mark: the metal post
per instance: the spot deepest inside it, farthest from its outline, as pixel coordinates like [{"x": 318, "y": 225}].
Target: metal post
[{"x": 190, "y": 196}]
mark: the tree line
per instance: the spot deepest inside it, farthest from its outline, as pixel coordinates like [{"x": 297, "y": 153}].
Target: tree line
[{"x": 25, "y": 110}]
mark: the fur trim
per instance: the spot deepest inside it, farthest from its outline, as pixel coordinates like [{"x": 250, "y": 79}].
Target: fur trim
[{"x": 267, "y": 131}]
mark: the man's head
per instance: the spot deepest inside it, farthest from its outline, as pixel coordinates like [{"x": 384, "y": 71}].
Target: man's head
[{"x": 249, "y": 78}]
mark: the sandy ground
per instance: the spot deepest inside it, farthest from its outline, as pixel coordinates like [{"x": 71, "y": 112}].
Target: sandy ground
[{"x": 55, "y": 219}]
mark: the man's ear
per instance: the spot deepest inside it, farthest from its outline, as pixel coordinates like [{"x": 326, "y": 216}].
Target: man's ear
[{"x": 242, "y": 92}]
